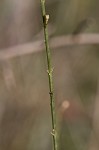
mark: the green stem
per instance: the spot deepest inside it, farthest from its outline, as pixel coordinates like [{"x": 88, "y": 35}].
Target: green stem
[{"x": 50, "y": 75}]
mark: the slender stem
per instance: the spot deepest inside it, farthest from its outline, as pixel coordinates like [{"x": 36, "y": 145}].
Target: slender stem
[{"x": 50, "y": 76}]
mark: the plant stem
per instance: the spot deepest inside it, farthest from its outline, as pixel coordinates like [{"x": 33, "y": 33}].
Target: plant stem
[{"x": 50, "y": 75}]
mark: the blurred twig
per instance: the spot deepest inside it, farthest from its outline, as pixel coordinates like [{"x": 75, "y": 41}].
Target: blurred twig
[
  {"x": 93, "y": 141},
  {"x": 55, "y": 42},
  {"x": 8, "y": 74}
]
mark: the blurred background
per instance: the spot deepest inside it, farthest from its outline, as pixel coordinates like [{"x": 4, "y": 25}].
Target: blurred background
[{"x": 25, "y": 121}]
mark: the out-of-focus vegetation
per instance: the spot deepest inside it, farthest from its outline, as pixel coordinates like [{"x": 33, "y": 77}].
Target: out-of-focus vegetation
[{"x": 24, "y": 101}]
